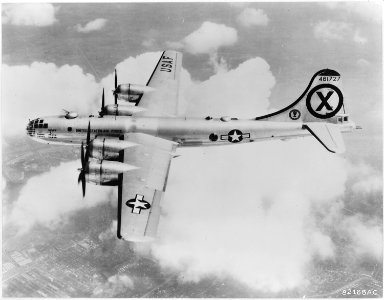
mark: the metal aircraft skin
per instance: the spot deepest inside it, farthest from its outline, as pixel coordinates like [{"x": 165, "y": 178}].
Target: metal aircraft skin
[{"x": 131, "y": 144}]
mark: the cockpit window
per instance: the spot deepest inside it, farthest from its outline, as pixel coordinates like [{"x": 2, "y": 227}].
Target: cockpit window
[{"x": 45, "y": 125}]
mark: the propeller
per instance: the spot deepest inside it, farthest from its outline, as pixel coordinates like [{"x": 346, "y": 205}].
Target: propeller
[
  {"x": 115, "y": 87},
  {"x": 84, "y": 160},
  {"x": 102, "y": 105}
]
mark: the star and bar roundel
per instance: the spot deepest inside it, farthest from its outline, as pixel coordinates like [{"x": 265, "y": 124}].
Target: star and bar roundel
[
  {"x": 235, "y": 136},
  {"x": 137, "y": 204}
]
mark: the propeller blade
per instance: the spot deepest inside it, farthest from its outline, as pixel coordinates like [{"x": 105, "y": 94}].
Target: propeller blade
[
  {"x": 114, "y": 93},
  {"x": 82, "y": 156},
  {"x": 83, "y": 183},
  {"x": 102, "y": 101},
  {"x": 89, "y": 132},
  {"x": 115, "y": 79},
  {"x": 86, "y": 159},
  {"x": 79, "y": 178},
  {"x": 83, "y": 168}
]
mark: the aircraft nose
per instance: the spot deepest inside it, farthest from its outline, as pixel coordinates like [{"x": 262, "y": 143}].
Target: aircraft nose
[{"x": 30, "y": 129}]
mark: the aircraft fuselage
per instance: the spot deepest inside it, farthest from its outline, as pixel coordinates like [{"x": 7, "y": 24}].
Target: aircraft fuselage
[{"x": 186, "y": 131}]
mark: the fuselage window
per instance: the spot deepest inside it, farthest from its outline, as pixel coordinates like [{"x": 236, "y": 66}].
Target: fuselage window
[
  {"x": 346, "y": 119},
  {"x": 41, "y": 121},
  {"x": 69, "y": 129},
  {"x": 340, "y": 119}
]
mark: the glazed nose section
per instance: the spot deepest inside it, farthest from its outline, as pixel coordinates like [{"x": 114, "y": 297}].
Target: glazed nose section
[{"x": 30, "y": 128}]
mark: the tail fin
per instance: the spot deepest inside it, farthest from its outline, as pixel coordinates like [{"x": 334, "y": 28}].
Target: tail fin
[
  {"x": 321, "y": 101},
  {"x": 320, "y": 105}
]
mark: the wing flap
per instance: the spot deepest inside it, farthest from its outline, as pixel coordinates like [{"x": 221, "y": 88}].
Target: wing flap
[{"x": 328, "y": 135}]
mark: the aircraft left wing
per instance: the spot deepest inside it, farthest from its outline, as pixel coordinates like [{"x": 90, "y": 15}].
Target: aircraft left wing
[
  {"x": 141, "y": 190},
  {"x": 163, "y": 100}
]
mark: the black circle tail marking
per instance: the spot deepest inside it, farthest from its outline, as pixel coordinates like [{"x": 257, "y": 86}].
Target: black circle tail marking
[{"x": 324, "y": 101}]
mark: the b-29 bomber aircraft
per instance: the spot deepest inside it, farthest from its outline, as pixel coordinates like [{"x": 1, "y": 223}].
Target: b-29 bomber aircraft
[{"x": 131, "y": 143}]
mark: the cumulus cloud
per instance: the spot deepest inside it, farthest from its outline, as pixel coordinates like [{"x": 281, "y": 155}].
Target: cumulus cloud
[
  {"x": 330, "y": 30},
  {"x": 253, "y": 17},
  {"x": 114, "y": 285},
  {"x": 251, "y": 221},
  {"x": 358, "y": 38},
  {"x": 365, "y": 179},
  {"x": 94, "y": 25},
  {"x": 110, "y": 232},
  {"x": 368, "y": 10},
  {"x": 42, "y": 89},
  {"x": 207, "y": 39},
  {"x": 48, "y": 199},
  {"x": 338, "y": 31},
  {"x": 37, "y": 14},
  {"x": 363, "y": 63},
  {"x": 242, "y": 92},
  {"x": 367, "y": 237}
]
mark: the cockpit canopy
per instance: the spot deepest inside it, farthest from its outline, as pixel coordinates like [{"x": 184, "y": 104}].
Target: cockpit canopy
[{"x": 37, "y": 123}]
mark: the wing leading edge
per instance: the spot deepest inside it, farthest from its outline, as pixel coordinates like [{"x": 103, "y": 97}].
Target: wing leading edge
[{"x": 141, "y": 190}]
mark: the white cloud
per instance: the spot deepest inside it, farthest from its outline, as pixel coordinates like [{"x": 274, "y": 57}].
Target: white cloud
[
  {"x": 148, "y": 43},
  {"x": 367, "y": 238},
  {"x": 41, "y": 203},
  {"x": 330, "y": 30},
  {"x": 363, "y": 63},
  {"x": 242, "y": 92},
  {"x": 358, "y": 38},
  {"x": 94, "y": 25},
  {"x": 3, "y": 183},
  {"x": 207, "y": 39},
  {"x": 253, "y": 17},
  {"x": 252, "y": 219},
  {"x": 338, "y": 31},
  {"x": 37, "y": 14},
  {"x": 42, "y": 89},
  {"x": 109, "y": 233},
  {"x": 322, "y": 245},
  {"x": 365, "y": 179},
  {"x": 114, "y": 285},
  {"x": 366, "y": 10}
]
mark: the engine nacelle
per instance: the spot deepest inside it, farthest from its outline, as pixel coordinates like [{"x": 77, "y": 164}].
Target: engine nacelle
[
  {"x": 103, "y": 148},
  {"x": 106, "y": 172},
  {"x": 103, "y": 179},
  {"x": 121, "y": 110},
  {"x": 131, "y": 92}
]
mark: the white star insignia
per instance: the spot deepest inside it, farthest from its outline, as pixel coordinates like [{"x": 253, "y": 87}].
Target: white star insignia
[{"x": 235, "y": 136}]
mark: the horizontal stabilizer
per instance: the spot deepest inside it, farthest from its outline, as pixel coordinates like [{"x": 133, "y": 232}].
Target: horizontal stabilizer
[{"x": 328, "y": 135}]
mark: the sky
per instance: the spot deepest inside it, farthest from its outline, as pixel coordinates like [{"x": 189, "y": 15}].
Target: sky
[{"x": 240, "y": 59}]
